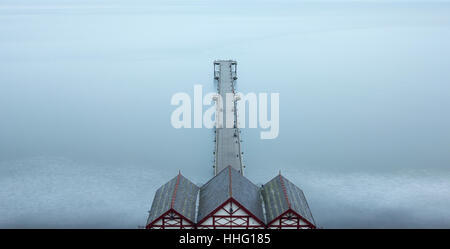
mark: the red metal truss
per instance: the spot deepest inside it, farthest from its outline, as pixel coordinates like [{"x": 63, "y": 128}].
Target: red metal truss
[
  {"x": 290, "y": 220},
  {"x": 171, "y": 220},
  {"x": 231, "y": 214}
]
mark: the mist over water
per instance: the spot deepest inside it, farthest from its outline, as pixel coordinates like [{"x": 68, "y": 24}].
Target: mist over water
[{"x": 85, "y": 89}]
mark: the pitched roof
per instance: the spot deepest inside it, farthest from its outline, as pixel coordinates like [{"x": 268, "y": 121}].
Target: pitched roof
[
  {"x": 179, "y": 194},
  {"x": 280, "y": 194},
  {"x": 229, "y": 183}
]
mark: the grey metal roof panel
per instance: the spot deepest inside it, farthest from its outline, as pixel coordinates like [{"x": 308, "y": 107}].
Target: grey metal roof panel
[
  {"x": 186, "y": 198},
  {"x": 247, "y": 194},
  {"x": 213, "y": 194},
  {"x": 297, "y": 200},
  {"x": 276, "y": 201},
  {"x": 161, "y": 201},
  {"x": 182, "y": 192},
  {"x": 217, "y": 191}
]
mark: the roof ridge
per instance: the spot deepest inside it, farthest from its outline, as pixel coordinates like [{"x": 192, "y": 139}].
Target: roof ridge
[
  {"x": 175, "y": 190},
  {"x": 212, "y": 178},
  {"x": 284, "y": 190},
  {"x": 230, "y": 190}
]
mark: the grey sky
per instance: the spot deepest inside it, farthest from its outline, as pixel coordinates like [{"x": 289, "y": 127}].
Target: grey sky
[{"x": 85, "y": 88}]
